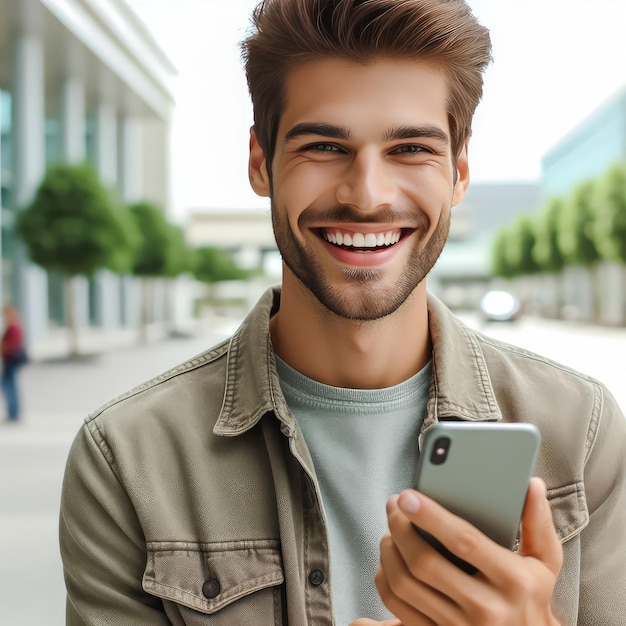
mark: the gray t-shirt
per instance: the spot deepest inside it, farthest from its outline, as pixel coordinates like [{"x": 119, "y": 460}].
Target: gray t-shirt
[{"x": 364, "y": 448}]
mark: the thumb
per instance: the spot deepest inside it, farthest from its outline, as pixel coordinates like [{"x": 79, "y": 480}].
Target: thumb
[{"x": 539, "y": 538}]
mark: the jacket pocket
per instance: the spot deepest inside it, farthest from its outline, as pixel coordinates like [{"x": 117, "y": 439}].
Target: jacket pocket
[
  {"x": 234, "y": 582},
  {"x": 569, "y": 510}
]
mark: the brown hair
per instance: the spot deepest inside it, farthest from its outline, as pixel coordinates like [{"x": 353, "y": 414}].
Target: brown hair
[{"x": 288, "y": 33}]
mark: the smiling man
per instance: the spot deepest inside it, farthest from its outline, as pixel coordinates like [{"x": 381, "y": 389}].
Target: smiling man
[{"x": 257, "y": 483}]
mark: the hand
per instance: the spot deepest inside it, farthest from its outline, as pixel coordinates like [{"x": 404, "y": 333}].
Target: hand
[{"x": 421, "y": 587}]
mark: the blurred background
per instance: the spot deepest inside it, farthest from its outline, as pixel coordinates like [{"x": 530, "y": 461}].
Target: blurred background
[{"x": 131, "y": 239}]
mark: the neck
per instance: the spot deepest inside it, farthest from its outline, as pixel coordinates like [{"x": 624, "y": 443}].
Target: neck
[{"x": 344, "y": 353}]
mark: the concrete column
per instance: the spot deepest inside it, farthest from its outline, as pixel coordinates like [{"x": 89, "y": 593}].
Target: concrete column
[
  {"x": 130, "y": 183},
  {"x": 130, "y": 159},
  {"x": 72, "y": 107},
  {"x": 29, "y": 167},
  {"x": 106, "y": 135},
  {"x": 73, "y": 119},
  {"x": 106, "y": 142}
]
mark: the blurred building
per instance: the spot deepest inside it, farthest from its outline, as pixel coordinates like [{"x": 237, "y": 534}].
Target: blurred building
[
  {"x": 246, "y": 233},
  {"x": 463, "y": 272},
  {"x": 589, "y": 150},
  {"x": 586, "y": 153},
  {"x": 79, "y": 80}
]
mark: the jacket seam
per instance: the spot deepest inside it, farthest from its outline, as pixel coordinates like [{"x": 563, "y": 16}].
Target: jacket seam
[
  {"x": 505, "y": 347},
  {"x": 98, "y": 437},
  {"x": 594, "y": 424},
  {"x": 184, "y": 368},
  {"x": 249, "y": 586},
  {"x": 479, "y": 360},
  {"x": 218, "y": 547}
]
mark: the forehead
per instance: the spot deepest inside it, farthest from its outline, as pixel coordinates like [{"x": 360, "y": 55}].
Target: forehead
[{"x": 365, "y": 96}]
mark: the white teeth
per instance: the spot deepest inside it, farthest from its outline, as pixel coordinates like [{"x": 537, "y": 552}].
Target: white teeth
[
  {"x": 360, "y": 240},
  {"x": 369, "y": 240}
]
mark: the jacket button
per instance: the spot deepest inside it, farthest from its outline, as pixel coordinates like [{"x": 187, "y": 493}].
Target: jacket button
[
  {"x": 211, "y": 588},
  {"x": 317, "y": 577}
]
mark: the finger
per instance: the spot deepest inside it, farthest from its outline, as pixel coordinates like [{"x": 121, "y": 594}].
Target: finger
[
  {"x": 404, "y": 594},
  {"x": 459, "y": 536},
  {"x": 406, "y": 613},
  {"x": 428, "y": 566},
  {"x": 539, "y": 538}
]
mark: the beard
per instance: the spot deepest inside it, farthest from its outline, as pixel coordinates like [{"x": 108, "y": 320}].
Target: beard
[{"x": 363, "y": 295}]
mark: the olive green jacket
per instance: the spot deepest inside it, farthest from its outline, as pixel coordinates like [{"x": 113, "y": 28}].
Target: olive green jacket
[{"x": 192, "y": 499}]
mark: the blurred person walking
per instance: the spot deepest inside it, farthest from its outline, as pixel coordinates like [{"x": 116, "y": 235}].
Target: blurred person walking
[{"x": 13, "y": 356}]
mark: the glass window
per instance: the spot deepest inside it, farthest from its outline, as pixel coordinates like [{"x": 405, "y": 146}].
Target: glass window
[
  {"x": 90, "y": 139},
  {"x": 6, "y": 154},
  {"x": 53, "y": 140}
]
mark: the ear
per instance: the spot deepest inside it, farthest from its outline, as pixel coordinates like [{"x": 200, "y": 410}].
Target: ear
[
  {"x": 462, "y": 175},
  {"x": 257, "y": 167}
]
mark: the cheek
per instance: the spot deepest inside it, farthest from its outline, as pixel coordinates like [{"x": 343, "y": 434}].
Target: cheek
[
  {"x": 430, "y": 191},
  {"x": 303, "y": 187}
]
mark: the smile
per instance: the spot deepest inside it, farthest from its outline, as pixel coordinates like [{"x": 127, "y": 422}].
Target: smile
[{"x": 362, "y": 241}]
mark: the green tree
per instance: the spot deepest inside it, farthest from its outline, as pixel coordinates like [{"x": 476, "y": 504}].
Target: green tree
[
  {"x": 521, "y": 241},
  {"x": 73, "y": 226},
  {"x": 609, "y": 228},
  {"x": 212, "y": 265},
  {"x": 180, "y": 257},
  {"x": 546, "y": 251},
  {"x": 154, "y": 257},
  {"x": 576, "y": 225},
  {"x": 180, "y": 260},
  {"x": 501, "y": 265},
  {"x": 153, "y": 254}
]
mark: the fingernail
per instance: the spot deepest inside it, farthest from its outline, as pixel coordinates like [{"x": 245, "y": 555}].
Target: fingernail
[
  {"x": 392, "y": 503},
  {"x": 409, "y": 502}
]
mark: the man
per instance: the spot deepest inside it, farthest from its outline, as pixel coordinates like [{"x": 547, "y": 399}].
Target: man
[{"x": 254, "y": 484}]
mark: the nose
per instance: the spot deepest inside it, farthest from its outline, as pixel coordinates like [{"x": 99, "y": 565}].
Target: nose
[{"x": 368, "y": 183}]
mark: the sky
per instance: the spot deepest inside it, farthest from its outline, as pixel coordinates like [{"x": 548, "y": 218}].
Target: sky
[{"x": 555, "y": 62}]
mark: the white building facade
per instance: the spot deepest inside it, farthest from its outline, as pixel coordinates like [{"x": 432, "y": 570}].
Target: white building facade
[{"x": 80, "y": 80}]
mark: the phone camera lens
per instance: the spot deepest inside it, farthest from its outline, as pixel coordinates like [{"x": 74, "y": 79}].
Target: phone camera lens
[{"x": 440, "y": 451}]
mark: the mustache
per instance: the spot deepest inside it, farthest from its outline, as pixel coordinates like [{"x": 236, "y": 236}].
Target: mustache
[{"x": 383, "y": 215}]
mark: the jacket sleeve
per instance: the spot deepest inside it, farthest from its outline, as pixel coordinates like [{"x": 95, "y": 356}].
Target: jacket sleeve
[
  {"x": 102, "y": 544},
  {"x": 603, "y": 542}
]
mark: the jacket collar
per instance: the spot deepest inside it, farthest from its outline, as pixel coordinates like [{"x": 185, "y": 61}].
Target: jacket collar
[{"x": 460, "y": 386}]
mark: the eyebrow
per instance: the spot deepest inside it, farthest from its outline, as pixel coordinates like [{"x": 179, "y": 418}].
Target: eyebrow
[
  {"x": 341, "y": 132},
  {"x": 416, "y": 132},
  {"x": 316, "y": 128}
]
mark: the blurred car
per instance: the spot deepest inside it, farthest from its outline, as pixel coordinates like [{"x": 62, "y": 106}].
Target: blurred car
[{"x": 500, "y": 306}]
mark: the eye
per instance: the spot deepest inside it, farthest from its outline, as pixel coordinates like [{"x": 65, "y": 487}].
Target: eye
[
  {"x": 322, "y": 147},
  {"x": 411, "y": 149}
]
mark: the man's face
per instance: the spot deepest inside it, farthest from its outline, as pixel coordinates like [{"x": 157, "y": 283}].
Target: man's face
[{"x": 362, "y": 182}]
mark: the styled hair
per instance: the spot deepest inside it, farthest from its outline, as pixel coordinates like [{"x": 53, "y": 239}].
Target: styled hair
[{"x": 288, "y": 33}]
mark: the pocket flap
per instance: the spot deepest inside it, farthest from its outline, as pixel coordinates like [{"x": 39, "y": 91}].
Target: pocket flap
[
  {"x": 569, "y": 510},
  {"x": 209, "y": 576}
]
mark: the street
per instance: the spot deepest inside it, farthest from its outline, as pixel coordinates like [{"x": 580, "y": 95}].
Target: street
[{"x": 58, "y": 395}]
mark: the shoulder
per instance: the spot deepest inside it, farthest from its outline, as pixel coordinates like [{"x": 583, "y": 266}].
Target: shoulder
[{"x": 182, "y": 398}]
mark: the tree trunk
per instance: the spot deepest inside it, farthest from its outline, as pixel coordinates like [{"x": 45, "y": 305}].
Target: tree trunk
[
  {"x": 70, "y": 311},
  {"x": 145, "y": 310},
  {"x": 168, "y": 305}
]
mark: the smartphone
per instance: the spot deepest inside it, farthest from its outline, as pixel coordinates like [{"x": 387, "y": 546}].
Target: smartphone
[{"x": 479, "y": 471}]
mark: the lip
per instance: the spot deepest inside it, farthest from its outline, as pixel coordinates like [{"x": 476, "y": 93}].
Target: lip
[{"x": 360, "y": 257}]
